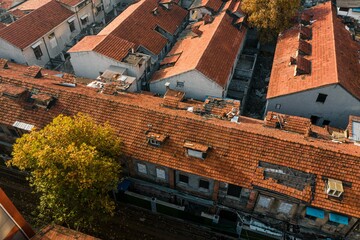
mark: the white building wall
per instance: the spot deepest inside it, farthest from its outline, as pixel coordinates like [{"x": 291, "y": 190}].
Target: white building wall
[
  {"x": 337, "y": 107},
  {"x": 9, "y": 52},
  {"x": 196, "y": 85},
  {"x": 30, "y": 58},
  {"x": 88, "y": 9},
  {"x": 350, "y": 13},
  {"x": 90, "y": 64}
]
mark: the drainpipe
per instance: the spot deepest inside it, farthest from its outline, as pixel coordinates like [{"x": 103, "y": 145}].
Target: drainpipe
[{"x": 47, "y": 50}]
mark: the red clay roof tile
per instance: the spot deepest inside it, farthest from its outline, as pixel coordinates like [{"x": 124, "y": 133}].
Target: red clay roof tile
[
  {"x": 30, "y": 28},
  {"x": 213, "y": 53},
  {"x": 56, "y": 232},
  {"x": 334, "y": 56},
  {"x": 135, "y": 27},
  {"x": 236, "y": 148}
]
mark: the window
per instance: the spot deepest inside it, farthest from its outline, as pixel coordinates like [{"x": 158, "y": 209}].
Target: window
[
  {"x": 180, "y": 84},
  {"x": 314, "y": 213},
  {"x": 326, "y": 123},
  {"x": 314, "y": 119},
  {"x": 277, "y": 106},
  {"x": 321, "y": 98},
  {"x": 197, "y": 154},
  {"x": 37, "y": 51},
  {"x": 233, "y": 190},
  {"x": 311, "y": 217},
  {"x": 99, "y": 8},
  {"x": 160, "y": 173},
  {"x": 343, "y": 9},
  {"x": 285, "y": 208},
  {"x": 204, "y": 184},
  {"x": 1, "y": 130},
  {"x": 84, "y": 19},
  {"x": 141, "y": 168},
  {"x": 72, "y": 26},
  {"x": 264, "y": 202},
  {"x": 183, "y": 179},
  {"x": 154, "y": 142},
  {"x": 13, "y": 132}
]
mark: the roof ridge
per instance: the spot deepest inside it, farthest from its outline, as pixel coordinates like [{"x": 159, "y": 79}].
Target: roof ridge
[{"x": 334, "y": 42}]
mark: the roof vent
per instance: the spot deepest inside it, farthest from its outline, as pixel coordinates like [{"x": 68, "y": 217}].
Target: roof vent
[
  {"x": 155, "y": 11},
  {"x": 305, "y": 33},
  {"x": 305, "y": 18},
  {"x": 155, "y": 139},
  {"x": 12, "y": 91},
  {"x": 292, "y": 61},
  {"x": 304, "y": 47},
  {"x": 334, "y": 188},
  {"x": 33, "y": 71},
  {"x": 42, "y": 100},
  {"x": 4, "y": 63},
  {"x": 303, "y": 66}
]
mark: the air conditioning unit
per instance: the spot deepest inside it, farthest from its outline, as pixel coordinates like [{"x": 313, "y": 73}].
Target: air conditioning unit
[{"x": 334, "y": 188}]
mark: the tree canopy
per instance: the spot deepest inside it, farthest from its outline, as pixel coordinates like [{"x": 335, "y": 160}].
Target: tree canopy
[
  {"x": 270, "y": 17},
  {"x": 73, "y": 164}
]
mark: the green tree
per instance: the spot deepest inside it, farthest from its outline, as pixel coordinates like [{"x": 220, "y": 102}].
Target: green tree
[
  {"x": 270, "y": 17},
  {"x": 73, "y": 164}
]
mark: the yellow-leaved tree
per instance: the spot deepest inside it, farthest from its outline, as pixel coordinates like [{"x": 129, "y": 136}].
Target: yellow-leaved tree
[
  {"x": 270, "y": 17},
  {"x": 73, "y": 164}
]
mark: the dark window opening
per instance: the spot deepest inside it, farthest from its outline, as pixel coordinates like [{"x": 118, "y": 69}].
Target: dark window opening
[
  {"x": 84, "y": 20},
  {"x": 1, "y": 130},
  {"x": 37, "y": 51},
  {"x": 344, "y": 9},
  {"x": 204, "y": 184},
  {"x": 183, "y": 178},
  {"x": 311, "y": 217},
  {"x": 179, "y": 84},
  {"x": 326, "y": 123},
  {"x": 333, "y": 223},
  {"x": 314, "y": 119},
  {"x": 13, "y": 132},
  {"x": 234, "y": 190},
  {"x": 321, "y": 98},
  {"x": 72, "y": 26}
]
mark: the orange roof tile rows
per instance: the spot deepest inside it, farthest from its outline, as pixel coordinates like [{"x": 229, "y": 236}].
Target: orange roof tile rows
[
  {"x": 213, "y": 53},
  {"x": 236, "y": 148},
  {"x": 34, "y": 25},
  {"x": 30, "y": 5},
  {"x": 334, "y": 57},
  {"x": 71, "y": 3},
  {"x": 136, "y": 25},
  {"x": 6, "y": 4},
  {"x": 56, "y": 232}
]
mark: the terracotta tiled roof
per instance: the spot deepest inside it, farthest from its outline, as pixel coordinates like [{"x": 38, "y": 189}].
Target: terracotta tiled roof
[
  {"x": 2, "y": 25},
  {"x": 17, "y": 13},
  {"x": 136, "y": 27},
  {"x": 334, "y": 57},
  {"x": 71, "y": 3},
  {"x": 6, "y": 4},
  {"x": 213, "y": 5},
  {"x": 16, "y": 216},
  {"x": 110, "y": 46},
  {"x": 288, "y": 123},
  {"x": 34, "y": 25},
  {"x": 30, "y": 5},
  {"x": 213, "y": 53},
  {"x": 56, "y": 232},
  {"x": 236, "y": 148}
]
